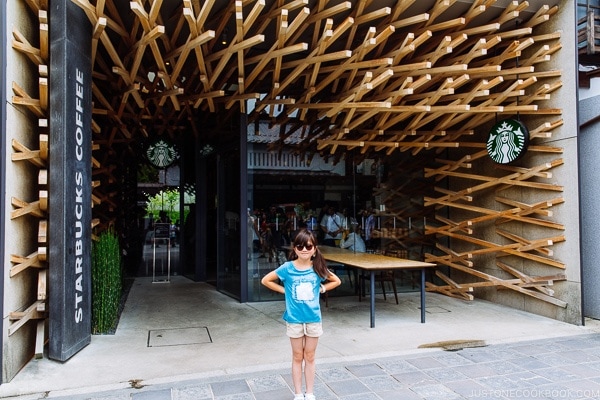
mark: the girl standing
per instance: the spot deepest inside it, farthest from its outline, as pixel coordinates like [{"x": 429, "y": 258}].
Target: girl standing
[{"x": 303, "y": 278}]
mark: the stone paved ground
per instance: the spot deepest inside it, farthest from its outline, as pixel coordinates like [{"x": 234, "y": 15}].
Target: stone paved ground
[{"x": 555, "y": 368}]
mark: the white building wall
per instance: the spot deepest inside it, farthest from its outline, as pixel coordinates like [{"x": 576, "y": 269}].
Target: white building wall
[{"x": 592, "y": 91}]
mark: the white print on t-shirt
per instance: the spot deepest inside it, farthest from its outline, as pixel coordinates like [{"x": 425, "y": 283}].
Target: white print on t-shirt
[{"x": 304, "y": 291}]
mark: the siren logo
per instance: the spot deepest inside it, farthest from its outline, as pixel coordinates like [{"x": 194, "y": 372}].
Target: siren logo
[
  {"x": 508, "y": 141},
  {"x": 161, "y": 154}
]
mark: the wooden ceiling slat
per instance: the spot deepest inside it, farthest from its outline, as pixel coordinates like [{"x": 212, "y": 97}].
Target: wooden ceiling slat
[{"x": 434, "y": 72}]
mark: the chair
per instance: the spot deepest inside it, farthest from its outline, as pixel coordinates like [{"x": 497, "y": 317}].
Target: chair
[
  {"x": 382, "y": 277},
  {"x": 336, "y": 267},
  {"x": 326, "y": 296}
]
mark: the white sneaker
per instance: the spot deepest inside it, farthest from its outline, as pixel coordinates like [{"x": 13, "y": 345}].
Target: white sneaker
[
  {"x": 299, "y": 397},
  {"x": 310, "y": 397}
]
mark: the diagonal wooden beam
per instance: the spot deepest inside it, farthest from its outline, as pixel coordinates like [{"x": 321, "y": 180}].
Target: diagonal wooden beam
[
  {"x": 24, "y": 262},
  {"x": 22, "y": 317},
  {"x": 23, "y": 153}
]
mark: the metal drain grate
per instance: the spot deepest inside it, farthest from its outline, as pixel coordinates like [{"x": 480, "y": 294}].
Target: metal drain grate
[{"x": 178, "y": 336}]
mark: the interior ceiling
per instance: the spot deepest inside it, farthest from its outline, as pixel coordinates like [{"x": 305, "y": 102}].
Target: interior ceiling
[{"x": 379, "y": 75}]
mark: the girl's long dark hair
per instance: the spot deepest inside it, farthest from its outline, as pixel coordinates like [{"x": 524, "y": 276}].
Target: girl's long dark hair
[{"x": 304, "y": 237}]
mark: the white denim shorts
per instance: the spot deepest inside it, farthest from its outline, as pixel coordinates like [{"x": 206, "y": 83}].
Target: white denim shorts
[{"x": 313, "y": 329}]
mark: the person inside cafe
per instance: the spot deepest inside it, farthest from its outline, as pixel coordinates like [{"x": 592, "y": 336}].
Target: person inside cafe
[
  {"x": 353, "y": 241},
  {"x": 331, "y": 224}
]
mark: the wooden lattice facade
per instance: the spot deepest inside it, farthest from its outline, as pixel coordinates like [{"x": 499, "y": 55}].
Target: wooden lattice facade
[{"x": 419, "y": 82}]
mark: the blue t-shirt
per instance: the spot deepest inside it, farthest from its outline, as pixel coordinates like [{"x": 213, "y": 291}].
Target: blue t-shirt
[{"x": 301, "y": 294}]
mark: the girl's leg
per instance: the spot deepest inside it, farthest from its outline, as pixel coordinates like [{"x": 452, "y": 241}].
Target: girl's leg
[
  {"x": 297, "y": 357},
  {"x": 310, "y": 347}
]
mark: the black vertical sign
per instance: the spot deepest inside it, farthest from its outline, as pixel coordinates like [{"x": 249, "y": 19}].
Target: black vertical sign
[{"x": 69, "y": 207}]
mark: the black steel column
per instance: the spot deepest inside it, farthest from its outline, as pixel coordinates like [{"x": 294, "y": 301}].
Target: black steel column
[
  {"x": 70, "y": 172},
  {"x": 244, "y": 207}
]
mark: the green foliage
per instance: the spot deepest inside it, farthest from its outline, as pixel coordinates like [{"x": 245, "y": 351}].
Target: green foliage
[
  {"x": 147, "y": 173},
  {"x": 106, "y": 282},
  {"x": 168, "y": 201}
]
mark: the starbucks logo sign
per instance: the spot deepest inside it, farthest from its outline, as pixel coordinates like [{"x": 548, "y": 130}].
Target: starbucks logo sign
[
  {"x": 508, "y": 141},
  {"x": 161, "y": 153}
]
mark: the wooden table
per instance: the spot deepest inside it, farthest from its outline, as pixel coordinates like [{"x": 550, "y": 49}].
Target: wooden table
[{"x": 377, "y": 262}]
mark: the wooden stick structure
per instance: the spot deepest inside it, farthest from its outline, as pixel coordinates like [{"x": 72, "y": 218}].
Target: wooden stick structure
[{"x": 375, "y": 82}]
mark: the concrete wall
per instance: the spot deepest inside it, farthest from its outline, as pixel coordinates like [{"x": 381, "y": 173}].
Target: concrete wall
[
  {"x": 566, "y": 175},
  {"x": 19, "y": 292}
]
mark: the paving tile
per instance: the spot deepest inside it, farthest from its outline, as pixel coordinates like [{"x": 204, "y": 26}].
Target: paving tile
[
  {"x": 237, "y": 396},
  {"x": 476, "y": 370},
  {"x": 425, "y": 362},
  {"x": 348, "y": 387},
  {"x": 502, "y": 352},
  {"x": 582, "y": 370},
  {"x": 556, "y": 391},
  {"x": 164, "y": 394},
  {"x": 334, "y": 374},
  {"x": 527, "y": 379},
  {"x": 554, "y": 344},
  {"x": 435, "y": 392},
  {"x": 266, "y": 383},
  {"x": 506, "y": 382},
  {"x": 414, "y": 378},
  {"x": 585, "y": 385},
  {"x": 445, "y": 374},
  {"x": 382, "y": 383},
  {"x": 530, "y": 349},
  {"x": 556, "y": 374},
  {"x": 530, "y": 363},
  {"x": 554, "y": 359},
  {"x": 287, "y": 377},
  {"x": 504, "y": 367},
  {"x": 365, "y": 370},
  {"x": 451, "y": 359},
  {"x": 361, "y": 396},
  {"x": 276, "y": 394},
  {"x": 578, "y": 356},
  {"x": 230, "y": 387},
  {"x": 394, "y": 366},
  {"x": 467, "y": 388},
  {"x": 479, "y": 355},
  {"x": 199, "y": 392},
  {"x": 402, "y": 394},
  {"x": 580, "y": 342},
  {"x": 595, "y": 351},
  {"x": 323, "y": 392}
]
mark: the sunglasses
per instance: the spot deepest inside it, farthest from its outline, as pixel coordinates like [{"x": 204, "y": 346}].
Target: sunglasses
[{"x": 308, "y": 247}]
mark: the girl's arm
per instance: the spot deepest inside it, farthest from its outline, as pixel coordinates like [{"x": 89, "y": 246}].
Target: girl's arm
[
  {"x": 270, "y": 280},
  {"x": 331, "y": 282}
]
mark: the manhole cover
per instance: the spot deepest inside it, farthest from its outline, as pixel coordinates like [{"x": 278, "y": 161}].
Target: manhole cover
[{"x": 178, "y": 336}]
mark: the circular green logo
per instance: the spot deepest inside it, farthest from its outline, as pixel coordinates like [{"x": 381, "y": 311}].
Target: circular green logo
[
  {"x": 508, "y": 141},
  {"x": 161, "y": 153}
]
